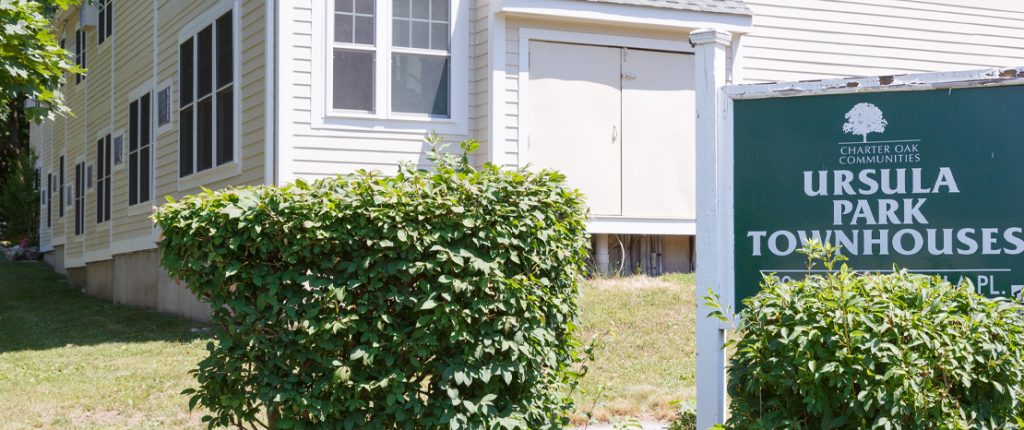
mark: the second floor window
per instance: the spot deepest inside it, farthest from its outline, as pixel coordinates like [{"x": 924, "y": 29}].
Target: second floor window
[
  {"x": 414, "y": 64},
  {"x": 106, "y": 20},
  {"x": 79, "y": 203},
  {"x": 206, "y": 112}
]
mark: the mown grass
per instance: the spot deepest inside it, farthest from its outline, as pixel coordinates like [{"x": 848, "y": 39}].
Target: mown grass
[
  {"x": 646, "y": 360},
  {"x": 68, "y": 360}
]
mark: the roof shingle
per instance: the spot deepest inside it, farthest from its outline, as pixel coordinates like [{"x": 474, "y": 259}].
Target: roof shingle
[{"x": 734, "y": 7}]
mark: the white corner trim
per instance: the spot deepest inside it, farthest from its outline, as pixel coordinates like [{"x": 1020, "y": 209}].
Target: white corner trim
[
  {"x": 627, "y": 225},
  {"x": 631, "y": 15},
  {"x": 528, "y": 34},
  {"x": 270, "y": 92},
  {"x": 497, "y": 145}
]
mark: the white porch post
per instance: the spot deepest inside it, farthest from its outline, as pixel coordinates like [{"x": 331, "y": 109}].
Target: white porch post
[{"x": 711, "y": 46}]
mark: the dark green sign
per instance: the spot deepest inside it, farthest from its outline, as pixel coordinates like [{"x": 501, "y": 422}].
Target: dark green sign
[{"x": 932, "y": 181}]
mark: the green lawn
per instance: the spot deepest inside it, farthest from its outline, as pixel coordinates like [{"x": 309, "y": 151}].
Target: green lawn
[
  {"x": 70, "y": 361},
  {"x": 647, "y": 359}
]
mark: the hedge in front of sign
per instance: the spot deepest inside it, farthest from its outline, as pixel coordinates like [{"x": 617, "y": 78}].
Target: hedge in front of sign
[
  {"x": 848, "y": 350},
  {"x": 442, "y": 299}
]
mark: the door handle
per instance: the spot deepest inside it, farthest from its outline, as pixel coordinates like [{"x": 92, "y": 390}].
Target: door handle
[{"x": 615, "y": 134}]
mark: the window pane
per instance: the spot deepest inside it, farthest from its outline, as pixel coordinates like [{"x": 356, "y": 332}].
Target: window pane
[
  {"x": 106, "y": 200},
  {"x": 364, "y": 30},
  {"x": 224, "y": 58},
  {"x": 419, "y": 84},
  {"x": 400, "y": 32},
  {"x": 439, "y": 36},
  {"x": 400, "y": 8},
  {"x": 145, "y": 137},
  {"x": 100, "y": 164},
  {"x": 185, "y": 142},
  {"x": 353, "y": 79},
  {"x": 343, "y": 5},
  {"x": 343, "y": 28},
  {"x": 106, "y": 155},
  {"x": 364, "y": 6},
  {"x": 225, "y": 126},
  {"x": 133, "y": 178},
  {"x": 204, "y": 134},
  {"x": 144, "y": 174},
  {"x": 205, "y": 58},
  {"x": 439, "y": 10},
  {"x": 133, "y": 126},
  {"x": 185, "y": 83},
  {"x": 163, "y": 106},
  {"x": 110, "y": 18},
  {"x": 421, "y": 9},
  {"x": 102, "y": 21},
  {"x": 100, "y": 197},
  {"x": 420, "y": 34}
]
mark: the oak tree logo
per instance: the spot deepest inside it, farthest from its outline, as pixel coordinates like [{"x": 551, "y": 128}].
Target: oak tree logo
[{"x": 864, "y": 118}]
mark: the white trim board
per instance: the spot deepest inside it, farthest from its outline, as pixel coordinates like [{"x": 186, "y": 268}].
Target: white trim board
[
  {"x": 621, "y": 225},
  {"x": 528, "y": 34},
  {"x": 621, "y": 14}
]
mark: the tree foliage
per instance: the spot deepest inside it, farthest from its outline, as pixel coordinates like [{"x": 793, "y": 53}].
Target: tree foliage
[
  {"x": 443, "y": 299},
  {"x": 19, "y": 201},
  {"x": 849, "y": 350}
]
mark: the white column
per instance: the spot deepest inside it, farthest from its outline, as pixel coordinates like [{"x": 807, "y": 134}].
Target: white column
[
  {"x": 711, "y": 46},
  {"x": 601, "y": 253}
]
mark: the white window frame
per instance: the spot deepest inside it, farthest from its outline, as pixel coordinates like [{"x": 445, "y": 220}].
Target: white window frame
[
  {"x": 323, "y": 112},
  {"x": 234, "y": 167}
]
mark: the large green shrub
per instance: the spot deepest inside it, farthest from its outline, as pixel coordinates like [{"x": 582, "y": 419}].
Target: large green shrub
[
  {"x": 442, "y": 299},
  {"x": 848, "y": 350}
]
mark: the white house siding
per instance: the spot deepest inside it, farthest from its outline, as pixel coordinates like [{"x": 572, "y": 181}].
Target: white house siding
[
  {"x": 814, "y": 39},
  {"x": 309, "y": 149},
  {"x": 479, "y": 76}
]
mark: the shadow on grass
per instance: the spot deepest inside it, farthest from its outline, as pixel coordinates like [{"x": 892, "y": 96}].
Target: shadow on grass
[{"x": 38, "y": 310}]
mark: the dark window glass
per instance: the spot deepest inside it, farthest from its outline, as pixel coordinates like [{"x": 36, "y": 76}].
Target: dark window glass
[
  {"x": 225, "y": 132},
  {"x": 204, "y": 134},
  {"x": 163, "y": 106},
  {"x": 353, "y": 79},
  {"x": 102, "y": 22},
  {"x": 110, "y": 18},
  {"x": 185, "y": 139},
  {"x": 224, "y": 57},
  {"x": 419, "y": 84},
  {"x": 133, "y": 127},
  {"x": 61, "y": 189},
  {"x": 186, "y": 80},
  {"x": 133, "y": 178},
  {"x": 144, "y": 173},
  {"x": 145, "y": 137},
  {"x": 49, "y": 199},
  {"x": 204, "y": 58}
]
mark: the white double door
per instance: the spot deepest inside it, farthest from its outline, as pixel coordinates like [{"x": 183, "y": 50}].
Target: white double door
[{"x": 619, "y": 123}]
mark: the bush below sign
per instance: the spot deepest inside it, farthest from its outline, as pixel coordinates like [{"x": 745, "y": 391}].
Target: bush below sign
[{"x": 849, "y": 350}]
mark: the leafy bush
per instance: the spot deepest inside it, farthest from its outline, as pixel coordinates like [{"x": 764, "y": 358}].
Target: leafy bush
[
  {"x": 848, "y": 350},
  {"x": 444, "y": 299}
]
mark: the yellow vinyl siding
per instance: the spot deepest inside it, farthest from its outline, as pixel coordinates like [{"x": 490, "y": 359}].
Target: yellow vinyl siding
[{"x": 100, "y": 104}]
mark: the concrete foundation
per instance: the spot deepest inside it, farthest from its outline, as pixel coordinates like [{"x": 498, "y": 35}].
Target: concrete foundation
[
  {"x": 99, "y": 279},
  {"x": 134, "y": 279},
  {"x": 55, "y": 258}
]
